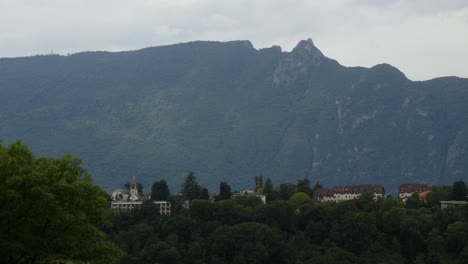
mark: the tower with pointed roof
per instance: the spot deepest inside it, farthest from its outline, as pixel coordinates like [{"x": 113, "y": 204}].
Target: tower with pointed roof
[{"x": 134, "y": 187}]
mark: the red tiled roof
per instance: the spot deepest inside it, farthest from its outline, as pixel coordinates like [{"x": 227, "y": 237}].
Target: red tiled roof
[{"x": 413, "y": 187}]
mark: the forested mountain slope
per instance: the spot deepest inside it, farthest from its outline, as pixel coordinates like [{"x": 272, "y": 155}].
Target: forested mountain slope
[{"x": 229, "y": 111}]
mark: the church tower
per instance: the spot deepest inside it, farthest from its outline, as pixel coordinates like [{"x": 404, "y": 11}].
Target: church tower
[{"x": 133, "y": 187}]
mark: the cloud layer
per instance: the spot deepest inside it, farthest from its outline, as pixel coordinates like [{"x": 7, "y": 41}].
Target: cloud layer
[{"x": 423, "y": 38}]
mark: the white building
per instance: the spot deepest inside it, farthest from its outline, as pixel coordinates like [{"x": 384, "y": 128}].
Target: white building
[
  {"x": 126, "y": 200},
  {"x": 251, "y": 194},
  {"x": 447, "y": 204},
  {"x": 348, "y": 192},
  {"x": 407, "y": 189},
  {"x": 164, "y": 207}
]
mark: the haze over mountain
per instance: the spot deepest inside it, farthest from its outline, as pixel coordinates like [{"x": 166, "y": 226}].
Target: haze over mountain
[{"x": 229, "y": 112}]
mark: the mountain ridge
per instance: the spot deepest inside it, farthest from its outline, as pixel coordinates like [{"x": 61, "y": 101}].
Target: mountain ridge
[{"x": 229, "y": 111}]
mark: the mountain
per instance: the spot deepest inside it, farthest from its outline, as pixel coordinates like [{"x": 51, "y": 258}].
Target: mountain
[{"x": 228, "y": 112}]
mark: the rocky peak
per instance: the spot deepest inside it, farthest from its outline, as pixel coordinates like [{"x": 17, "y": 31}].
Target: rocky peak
[
  {"x": 301, "y": 59},
  {"x": 307, "y": 47}
]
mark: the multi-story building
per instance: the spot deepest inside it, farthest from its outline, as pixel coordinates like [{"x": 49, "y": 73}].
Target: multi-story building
[
  {"x": 407, "y": 189},
  {"x": 126, "y": 200},
  {"x": 251, "y": 194},
  {"x": 348, "y": 192}
]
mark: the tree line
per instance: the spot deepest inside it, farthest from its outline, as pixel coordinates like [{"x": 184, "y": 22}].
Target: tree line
[
  {"x": 50, "y": 212},
  {"x": 293, "y": 228}
]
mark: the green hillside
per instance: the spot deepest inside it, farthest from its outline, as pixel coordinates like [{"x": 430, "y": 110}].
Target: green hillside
[{"x": 228, "y": 112}]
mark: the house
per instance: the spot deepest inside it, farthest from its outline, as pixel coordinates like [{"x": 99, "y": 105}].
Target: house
[
  {"x": 347, "y": 192},
  {"x": 126, "y": 200},
  {"x": 407, "y": 189},
  {"x": 250, "y": 193},
  {"x": 120, "y": 194}
]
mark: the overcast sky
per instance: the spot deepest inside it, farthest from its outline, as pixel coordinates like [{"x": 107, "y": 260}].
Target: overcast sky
[{"x": 423, "y": 38}]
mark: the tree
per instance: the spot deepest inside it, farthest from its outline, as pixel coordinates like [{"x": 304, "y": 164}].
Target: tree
[
  {"x": 248, "y": 242},
  {"x": 413, "y": 202},
  {"x": 439, "y": 193},
  {"x": 278, "y": 214},
  {"x": 412, "y": 242},
  {"x": 303, "y": 185},
  {"x": 435, "y": 247},
  {"x": 317, "y": 186},
  {"x": 338, "y": 255},
  {"x": 268, "y": 190},
  {"x": 160, "y": 191},
  {"x": 365, "y": 201},
  {"x": 392, "y": 219},
  {"x": 202, "y": 210},
  {"x": 190, "y": 188},
  {"x": 224, "y": 191},
  {"x": 247, "y": 201},
  {"x": 203, "y": 194},
  {"x": 459, "y": 191},
  {"x": 287, "y": 190},
  {"x": 456, "y": 236},
  {"x": 258, "y": 183},
  {"x": 50, "y": 210},
  {"x": 299, "y": 199}
]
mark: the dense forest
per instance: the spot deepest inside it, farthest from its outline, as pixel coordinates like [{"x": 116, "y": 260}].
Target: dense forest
[
  {"x": 50, "y": 212},
  {"x": 295, "y": 229}
]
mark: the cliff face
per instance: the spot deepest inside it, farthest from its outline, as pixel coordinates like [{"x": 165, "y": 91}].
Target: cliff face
[{"x": 228, "y": 112}]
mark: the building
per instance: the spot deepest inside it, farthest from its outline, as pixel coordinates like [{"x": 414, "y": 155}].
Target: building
[
  {"x": 447, "y": 204},
  {"x": 164, "y": 207},
  {"x": 126, "y": 200},
  {"x": 250, "y": 193},
  {"x": 348, "y": 192},
  {"x": 407, "y": 189}
]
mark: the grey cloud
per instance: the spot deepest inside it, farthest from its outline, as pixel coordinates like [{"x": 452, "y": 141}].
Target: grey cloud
[{"x": 355, "y": 32}]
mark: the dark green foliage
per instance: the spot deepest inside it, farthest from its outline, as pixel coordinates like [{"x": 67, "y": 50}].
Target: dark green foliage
[
  {"x": 202, "y": 210},
  {"x": 50, "y": 211},
  {"x": 299, "y": 230},
  {"x": 279, "y": 214},
  {"x": 224, "y": 191},
  {"x": 457, "y": 236},
  {"x": 204, "y": 194},
  {"x": 245, "y": 243},
  {"x": 317, "y": 186},
  {"x": 303, "y": 185},
  {"x": 286, "y": 190},
  {"x": 269, "y": 191},
  {"x": 459, "y": 191},
  {"x": 247, "y": 201},
  {"x": 412, "y": 241},
  {"x": 258, "y": 183},
  {"x": 413, "y": 202},
  {"x": 435, "y": 247},
  {"x": 192, "y": 190},
  {"x": 160, "y": 191},
  {"x": 392, "y": 219},
  {"x": 231, "y": 212},
  {"x": 299, "y": 200},
  {"x": 439, "y": 193}
]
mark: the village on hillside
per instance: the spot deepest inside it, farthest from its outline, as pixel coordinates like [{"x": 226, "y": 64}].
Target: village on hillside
[{"x": 131, "y": 198}]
